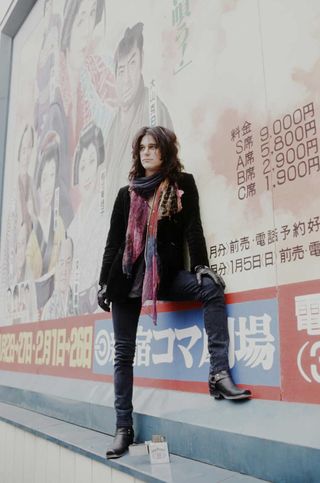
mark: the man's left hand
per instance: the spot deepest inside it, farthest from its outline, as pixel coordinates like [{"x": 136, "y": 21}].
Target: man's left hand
[{"x": 203, "y": 270}]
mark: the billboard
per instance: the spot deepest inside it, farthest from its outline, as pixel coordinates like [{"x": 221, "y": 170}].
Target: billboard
[
  {"x": 239, "y": 87},
  {"x": 171, "y": 355}
]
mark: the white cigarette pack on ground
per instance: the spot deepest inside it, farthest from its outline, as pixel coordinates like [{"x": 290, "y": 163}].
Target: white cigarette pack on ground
[{"x": 158, "y": 452}]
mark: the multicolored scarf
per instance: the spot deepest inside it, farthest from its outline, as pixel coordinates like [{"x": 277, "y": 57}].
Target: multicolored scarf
[{"x": 142, "y": 230}]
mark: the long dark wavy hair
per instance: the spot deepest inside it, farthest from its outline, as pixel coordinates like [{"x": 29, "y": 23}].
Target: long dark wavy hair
[{"x": 168, "y": 145}]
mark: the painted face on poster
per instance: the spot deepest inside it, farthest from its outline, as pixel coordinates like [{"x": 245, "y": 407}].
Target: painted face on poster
[
  {"x": 88, "y": 166},
  {"x": 129, "y": 76},
  {"x": 81, "y": 32}
]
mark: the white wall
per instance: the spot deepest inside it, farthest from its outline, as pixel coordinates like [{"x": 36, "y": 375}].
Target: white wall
[
  {"x": 4, "y": 5},
  {"x": 41, "y": 461}
]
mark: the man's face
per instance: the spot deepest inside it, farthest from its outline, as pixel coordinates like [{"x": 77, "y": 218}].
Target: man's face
[
  {"x": 81, "y": 32},
  {"x": 150, "y": 155},
  {"x": 128, "y": 77}
]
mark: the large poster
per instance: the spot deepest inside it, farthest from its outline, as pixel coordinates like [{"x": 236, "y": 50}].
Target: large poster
[
  {"x": 87, "y": 96},
  {"x": 238, "y": 82}
]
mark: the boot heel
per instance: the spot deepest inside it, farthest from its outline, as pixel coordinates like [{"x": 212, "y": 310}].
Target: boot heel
[{"x": 215, "y": 393}]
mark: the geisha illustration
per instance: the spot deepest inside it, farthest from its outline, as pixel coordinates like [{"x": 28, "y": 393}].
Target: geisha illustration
[
  {"x": 48, "y": 228},
  {"x": 86, "y": 81},
  {"x": 88, "y": 226}
]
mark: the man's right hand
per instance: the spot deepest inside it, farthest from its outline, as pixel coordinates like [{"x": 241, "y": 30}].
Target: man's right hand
[{"x": 103, "y": 300}]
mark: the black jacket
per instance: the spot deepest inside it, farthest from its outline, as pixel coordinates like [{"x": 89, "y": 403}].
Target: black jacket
[{"x": 173, "y": 232}]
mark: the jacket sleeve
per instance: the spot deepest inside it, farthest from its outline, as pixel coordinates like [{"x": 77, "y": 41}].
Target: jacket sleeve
[
  {"x": 116, "y": 236},
  {"x": 193, "y": 227}
]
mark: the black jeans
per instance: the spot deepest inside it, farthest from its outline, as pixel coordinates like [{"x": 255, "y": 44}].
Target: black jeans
[{"x": 125, "y": 321}]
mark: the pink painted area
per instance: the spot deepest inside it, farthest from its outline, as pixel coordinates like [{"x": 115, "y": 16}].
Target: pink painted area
[{"x": 299, "y": 351}]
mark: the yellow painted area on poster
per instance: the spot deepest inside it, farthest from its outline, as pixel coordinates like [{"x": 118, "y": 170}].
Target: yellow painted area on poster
[
  {"x": 50, "y": 347},
  {"x": 7, "y": 347}
]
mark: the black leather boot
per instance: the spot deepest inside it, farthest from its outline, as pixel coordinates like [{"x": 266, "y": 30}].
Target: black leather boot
[
  {"x": 222, "y": 386},
  {"x": 122, "y": 440}
]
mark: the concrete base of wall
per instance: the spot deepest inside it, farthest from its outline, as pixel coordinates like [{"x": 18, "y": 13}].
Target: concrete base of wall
[
  {"x": 275, "y": 441},
  {"x": 27, "y": 458},
  {"x": 39, "y": 449}
]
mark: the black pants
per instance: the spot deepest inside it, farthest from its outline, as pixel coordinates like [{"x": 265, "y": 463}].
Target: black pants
[{"x": 125, "y": 321}]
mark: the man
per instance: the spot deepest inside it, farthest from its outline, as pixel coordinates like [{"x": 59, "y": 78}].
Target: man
[
  {"x": 135, "y": 108},
  {"x": 143, "y": 260}
]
